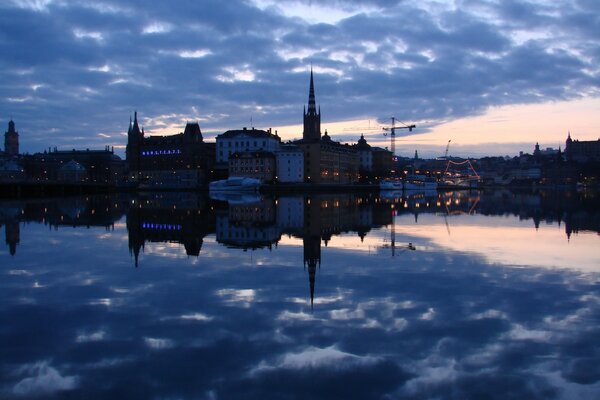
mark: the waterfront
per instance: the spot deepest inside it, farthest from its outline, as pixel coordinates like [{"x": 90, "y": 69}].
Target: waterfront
[{"x": 175, "y": 295}]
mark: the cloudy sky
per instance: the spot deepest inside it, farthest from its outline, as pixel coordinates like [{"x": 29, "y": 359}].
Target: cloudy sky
[{"x": 492, "y": 76}]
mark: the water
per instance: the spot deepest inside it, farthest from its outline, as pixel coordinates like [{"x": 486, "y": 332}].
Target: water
[{"x": 168, "y": 296}]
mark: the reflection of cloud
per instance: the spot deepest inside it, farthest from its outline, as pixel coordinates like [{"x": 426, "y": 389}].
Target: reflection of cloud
[
  {"x": 159, "y": 343},
  {"x": 519, "y": 332},
  {"x": 196, "y": 317},
  {"x": 90, "y": 337},
  {"x": 499, "y": 242},
  {"x": 428, "y": 315},
  {"x": 44, "y": 379},
  {"x": 490, "y": 314},
  {"x": 108, "y": 363},
  {"x": 347, "y": 314},
  {"x": 314, "y": 357},
  {"x": 322, "y": 300},
  {"x": 200, "y": 317},
  {"x": 19, "y": 272},
  {"x": 242, "y": 296},
  {"x": 292, "y": 316}
]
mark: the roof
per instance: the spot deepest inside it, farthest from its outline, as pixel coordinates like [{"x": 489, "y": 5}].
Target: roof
[
  {"x": 255, "y": 133},
  {"x": 72, "y": 166}
]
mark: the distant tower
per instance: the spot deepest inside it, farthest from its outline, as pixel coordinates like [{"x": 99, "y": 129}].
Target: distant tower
[
  {"x": 11, "y": 140},
  {"x": 569, "y": 147},
  {"x": 536, "y": 150},
  {"x": 135, "y": 139},
  {"x": 312, "y": 117}
]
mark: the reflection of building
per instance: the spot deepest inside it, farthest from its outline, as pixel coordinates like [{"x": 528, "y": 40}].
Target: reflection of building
[
  {"x": 325, "y": 161},
  {"x": 13, "y": 236},
  {"x": 183, "y": 160},
  {"x": 169, "y": 217},
  {"x": 248, "y": 225},
  {"x": 583, "y": 150},
  {"x": 92, "y": 211}
]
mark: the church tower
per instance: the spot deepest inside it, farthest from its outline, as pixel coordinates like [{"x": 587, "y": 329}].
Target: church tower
[
  {"x": 135, "y": 139},
  {"x": 312, "y": 117},
  {"x": 11, "y": 140}
]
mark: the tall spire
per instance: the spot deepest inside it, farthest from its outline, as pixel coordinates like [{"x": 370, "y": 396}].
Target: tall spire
[
  {"x": 312, "y": 107},
  {"x": 312, "y": 118}
]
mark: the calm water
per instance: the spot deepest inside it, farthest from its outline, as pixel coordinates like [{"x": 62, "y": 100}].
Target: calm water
[{"x": 177, "y": 296}]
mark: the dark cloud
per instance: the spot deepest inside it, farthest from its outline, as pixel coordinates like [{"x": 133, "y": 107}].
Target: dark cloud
[{"x": 71, "y": 70}]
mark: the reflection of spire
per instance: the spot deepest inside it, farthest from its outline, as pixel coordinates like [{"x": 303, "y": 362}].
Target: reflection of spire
[
  {"x": 12, "y": 236},
  {"x": 312, "y": 257},
  {"x": 312, "y": 269}
]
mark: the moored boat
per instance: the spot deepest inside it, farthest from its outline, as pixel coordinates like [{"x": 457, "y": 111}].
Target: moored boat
[
  {"x": 420, "y": 182},
  {"x": 390, "y": 184}
]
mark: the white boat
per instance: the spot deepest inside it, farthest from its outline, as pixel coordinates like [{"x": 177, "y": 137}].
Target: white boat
[
  {"x": 235, "y": 184},
  {"x": 390, "y": 184},
  {"x": 420, "y": 182}
]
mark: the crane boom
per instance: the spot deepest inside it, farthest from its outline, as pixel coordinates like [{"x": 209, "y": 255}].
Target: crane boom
[
  {"x": 392, "y": 130},
  {"x": 447, "y": 148}
]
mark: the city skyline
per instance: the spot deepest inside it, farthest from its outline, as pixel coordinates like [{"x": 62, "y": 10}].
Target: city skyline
[{"x": 493, "y": 78}]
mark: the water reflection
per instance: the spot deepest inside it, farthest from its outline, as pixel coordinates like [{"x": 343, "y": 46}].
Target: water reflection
[{"x": 316, "y": 296}]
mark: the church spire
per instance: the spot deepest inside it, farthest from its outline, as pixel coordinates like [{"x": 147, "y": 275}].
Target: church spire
[
  {"x": 312, "y": 107},
  {"x": 312, "y": 118}
]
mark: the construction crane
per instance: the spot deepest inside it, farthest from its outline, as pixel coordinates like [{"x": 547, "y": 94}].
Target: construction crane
[
  {"x": 447, "y": 148},
  {"x": 392, "y": 130}
]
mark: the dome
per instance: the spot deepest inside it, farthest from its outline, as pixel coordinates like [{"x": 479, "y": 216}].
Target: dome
[{"x": 72, "y": 166}]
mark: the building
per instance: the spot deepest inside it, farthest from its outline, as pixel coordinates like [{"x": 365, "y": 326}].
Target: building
[
  {"x": 290, "y": 164},
  {"x": 253, "y": 164},
  {"x": 365, "y": 156},
  {"x": 103, "y": 166},
  {"x": 72, "y": 172},
  {"x": 374, "y": 162},
  {"x": 11, "y": 140},
  {"x": 588, "y": 150},
  {"x": 325, "y": 161},
  {"x": 237, "y": 141},
  {"x": 182, "y": 160}
]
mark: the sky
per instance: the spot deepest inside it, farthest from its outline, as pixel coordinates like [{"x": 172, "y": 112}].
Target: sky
[{"x": 493, "y": 77}]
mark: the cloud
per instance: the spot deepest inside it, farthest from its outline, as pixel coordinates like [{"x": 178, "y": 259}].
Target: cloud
[{"x": 78, "y": 70}]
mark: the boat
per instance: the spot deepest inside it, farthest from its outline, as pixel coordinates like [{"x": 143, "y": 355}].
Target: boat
[
  {"x": 420, "y": 182},
  {"x": 235, "y": 184},
  {"x": 390, "y": 184}
]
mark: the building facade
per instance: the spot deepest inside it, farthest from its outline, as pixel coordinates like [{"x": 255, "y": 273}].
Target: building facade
[
  {"x": 242, "y": 140},
  {"x": 290, "y": 164},
  {"x": 584, "y": 150},
  {"x": 101, "y": 167},
  {"x": 253, "y": 164},
  {"x": 182, "y": 160}
]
